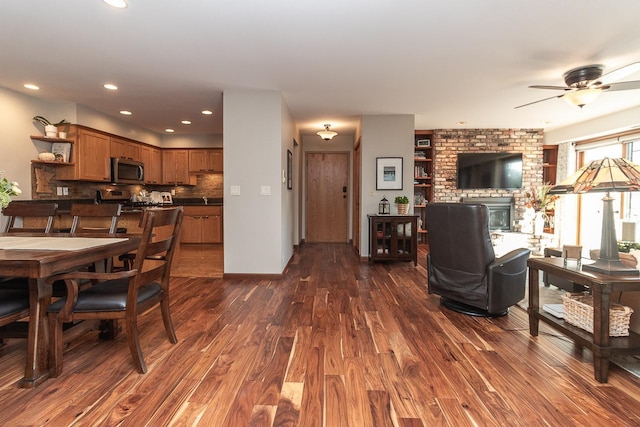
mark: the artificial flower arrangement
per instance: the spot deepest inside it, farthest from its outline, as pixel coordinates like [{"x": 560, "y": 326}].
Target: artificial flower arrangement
[
  {"x": 540, "y": 200},
  {"x": 7, "y": 189}
]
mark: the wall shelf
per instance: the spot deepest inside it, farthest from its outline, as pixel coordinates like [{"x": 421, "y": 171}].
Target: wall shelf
[{"x": 45, "y": 139}]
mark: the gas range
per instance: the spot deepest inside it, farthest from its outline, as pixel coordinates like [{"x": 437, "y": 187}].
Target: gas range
[{"x": 124, "y": 197}]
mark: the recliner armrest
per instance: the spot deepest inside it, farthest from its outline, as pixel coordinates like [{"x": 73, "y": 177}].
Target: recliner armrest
[
  {"x": 515, "y": 256},
  {"x": 510, "y": 264}
]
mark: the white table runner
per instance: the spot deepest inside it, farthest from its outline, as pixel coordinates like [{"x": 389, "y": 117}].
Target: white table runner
[{"x": 55, "y": 243}]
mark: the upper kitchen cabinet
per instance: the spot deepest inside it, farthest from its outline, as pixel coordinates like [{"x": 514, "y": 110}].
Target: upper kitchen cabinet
[
  {"x": 152, "y": 159},
  {"x": 90, "y": 155},
  {"x": 124, "y": 149},
  {"x": 205, "y": 160},
  {"x": 175, "y": 167}
]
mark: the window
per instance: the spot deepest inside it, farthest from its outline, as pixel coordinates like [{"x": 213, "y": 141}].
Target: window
[{"x": 626, "y": 205}]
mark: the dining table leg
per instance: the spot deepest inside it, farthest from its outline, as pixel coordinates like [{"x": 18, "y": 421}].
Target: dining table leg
[{"x": 37, "y": 365}]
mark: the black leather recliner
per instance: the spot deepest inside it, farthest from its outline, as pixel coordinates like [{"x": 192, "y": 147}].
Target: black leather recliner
[{"x": 461, "y": 264}]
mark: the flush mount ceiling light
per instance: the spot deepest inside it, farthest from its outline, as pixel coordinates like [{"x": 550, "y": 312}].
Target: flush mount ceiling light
[
  {"x": 582, "y": 97},
  {"x": 120, "y": 4},
  {"x": 327, "y": 134}
]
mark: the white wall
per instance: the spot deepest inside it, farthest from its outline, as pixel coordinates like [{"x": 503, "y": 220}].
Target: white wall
[
  {"x": 192, "y": 141},
  {"x": 612, "y": 123},
  {"x": 16, "y": 125},
  {"x": 254, "y": 143},
  {"x": 384, "y": 136},
  {"x": 288, "y": 207}
]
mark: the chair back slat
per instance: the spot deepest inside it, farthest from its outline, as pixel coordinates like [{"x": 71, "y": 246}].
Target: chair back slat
[
  {"x": 108, "y": 212},
  {"x": 17, "y": 210},
  {"x": 158, "y": 243}
]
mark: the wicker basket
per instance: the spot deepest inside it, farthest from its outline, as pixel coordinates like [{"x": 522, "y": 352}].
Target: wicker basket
[{"x": 578, "y": 311}]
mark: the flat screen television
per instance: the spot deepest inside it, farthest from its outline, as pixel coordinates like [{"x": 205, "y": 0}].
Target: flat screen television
[{"x": 489, "y": 170}]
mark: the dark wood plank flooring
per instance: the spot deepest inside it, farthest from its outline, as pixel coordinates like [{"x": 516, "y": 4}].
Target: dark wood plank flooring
[{"x": 336, "y": 342}]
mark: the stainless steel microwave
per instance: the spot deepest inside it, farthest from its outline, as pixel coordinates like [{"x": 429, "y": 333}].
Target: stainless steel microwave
[{"x": 125, "y": 171}]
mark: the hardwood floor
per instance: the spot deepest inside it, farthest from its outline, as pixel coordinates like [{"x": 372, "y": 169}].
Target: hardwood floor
[
  {"x": 335, "y": 342},
  {"x": 200, "y": 260}
]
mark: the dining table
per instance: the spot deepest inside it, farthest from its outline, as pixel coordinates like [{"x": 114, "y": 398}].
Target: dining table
[{"x": 38, "y": 256}]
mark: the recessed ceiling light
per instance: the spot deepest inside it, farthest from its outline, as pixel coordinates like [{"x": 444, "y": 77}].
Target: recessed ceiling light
[
  {"x": 185, "y": 122},
  {"x": 169, "y": 130},
  {"x": 126, "y": 113},
  {"x": 461, "y": 123},
  {"x": 110, "y": 86},
  {"x": 120, "y": 4},
  {"x": 207, "y": 112},
  {"x": 31, "y": 86}
]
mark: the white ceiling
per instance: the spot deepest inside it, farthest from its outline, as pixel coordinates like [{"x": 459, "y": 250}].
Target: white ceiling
[{"x": 333, "y": 60}]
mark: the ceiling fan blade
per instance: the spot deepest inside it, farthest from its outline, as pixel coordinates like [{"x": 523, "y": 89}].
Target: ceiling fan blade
[
  {"x": 549, "y": 87},
  {"x": 633, "y": 84},
  {"x": 540, "y": 100},
  {"x": 620, "y": 73}
]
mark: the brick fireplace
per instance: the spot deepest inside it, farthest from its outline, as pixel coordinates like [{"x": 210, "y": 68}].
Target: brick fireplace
[
  {"x": 449, "y": 142},
  {"x": 501, "y": 211}
]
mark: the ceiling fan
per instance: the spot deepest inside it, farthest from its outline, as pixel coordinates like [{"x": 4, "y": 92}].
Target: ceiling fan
[{"x": 585, "y": 84}]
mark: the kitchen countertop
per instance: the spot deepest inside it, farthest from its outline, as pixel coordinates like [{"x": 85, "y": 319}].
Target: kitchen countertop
[{"x": 64, "y": 205}]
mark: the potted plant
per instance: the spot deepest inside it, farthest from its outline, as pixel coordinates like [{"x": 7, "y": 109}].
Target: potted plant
[
  {"x": 403, "y": 204},
  {"x": 50, "y": 129}
]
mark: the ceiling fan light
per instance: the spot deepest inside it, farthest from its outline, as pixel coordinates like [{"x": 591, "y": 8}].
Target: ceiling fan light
[
  {"x": 582, "y": 97},
  {"x": 327, "y": 133}
]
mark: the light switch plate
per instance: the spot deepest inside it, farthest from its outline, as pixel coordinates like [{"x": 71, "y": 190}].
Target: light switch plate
[
  {"x": 265, "y": 190},
  {"x": 235, "y": 190}
]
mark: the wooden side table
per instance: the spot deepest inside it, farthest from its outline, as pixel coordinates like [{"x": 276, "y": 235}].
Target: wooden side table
[
  {"x": 600, "y": 343},
  {"x": 393, "y": 238}
]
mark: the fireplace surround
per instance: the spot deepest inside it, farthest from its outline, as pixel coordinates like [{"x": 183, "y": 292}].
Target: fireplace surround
[{"x": 501, "y": 211}]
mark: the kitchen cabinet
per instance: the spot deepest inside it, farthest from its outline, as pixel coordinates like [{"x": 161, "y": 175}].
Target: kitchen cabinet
[
  {"x": 393, "y": 238},
  {"x": 175, "y": 167},
  {"x": 124, "y": 149},
  {"x": 205, "y": 160},
  {"x": 90, "y": 156},
  {"x": 202, "y": 224},
  {"x": 151, "y": 157}
]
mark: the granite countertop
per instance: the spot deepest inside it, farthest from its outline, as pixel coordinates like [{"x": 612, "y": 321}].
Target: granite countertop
[{"x": 64, "y": 205}]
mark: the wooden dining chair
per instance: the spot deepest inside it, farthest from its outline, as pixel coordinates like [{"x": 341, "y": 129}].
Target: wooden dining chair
[
  {"x": 83, "y": 214},
  {"x": 42, "y": 215},
  {"x": 22, "y": 210},
  {"x": 14, "y": 307},
  {"x": 124, "y": 294}
]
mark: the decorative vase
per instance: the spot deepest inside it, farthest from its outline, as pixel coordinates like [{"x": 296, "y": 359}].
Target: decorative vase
[
  {"x": 403, "y": 208},
  {"x": 50, "y": 131},
  {"x": 538, "y": 223}
]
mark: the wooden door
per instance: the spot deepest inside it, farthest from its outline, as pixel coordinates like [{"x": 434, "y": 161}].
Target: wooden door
[{"x": 327, "y": 197}]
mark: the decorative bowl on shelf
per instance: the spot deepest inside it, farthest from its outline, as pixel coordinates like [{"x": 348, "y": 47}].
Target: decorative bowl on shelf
[{"x": 47, "y": 157}]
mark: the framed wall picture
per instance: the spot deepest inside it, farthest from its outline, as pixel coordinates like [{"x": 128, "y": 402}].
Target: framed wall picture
[
  {"x": 388, "y": 173},
  {"x": 289, "y": 170}
]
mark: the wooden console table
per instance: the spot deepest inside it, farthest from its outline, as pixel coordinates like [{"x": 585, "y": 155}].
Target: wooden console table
[
  {"x": 393, "y": 238},
  {"x": 600, "y": 343}
]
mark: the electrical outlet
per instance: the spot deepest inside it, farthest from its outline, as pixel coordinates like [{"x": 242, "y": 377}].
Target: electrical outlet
[
  {"x": 235, "y": 190},
  {"x": 65, "y": 191},
  {"x": 265, "y": 190}
]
